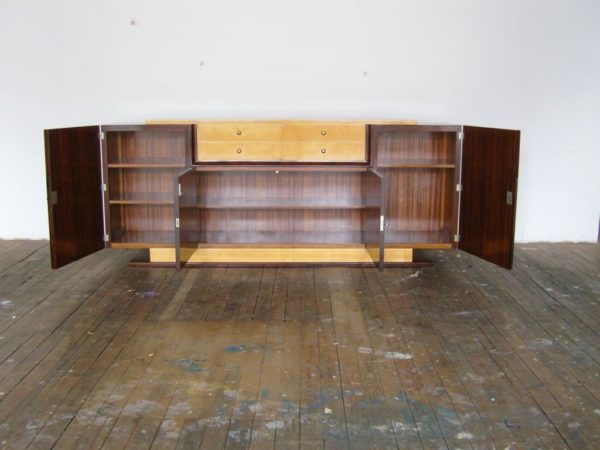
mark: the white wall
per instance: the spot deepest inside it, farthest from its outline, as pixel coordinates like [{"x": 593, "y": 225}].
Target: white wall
[{"x": 532, "y": 65}]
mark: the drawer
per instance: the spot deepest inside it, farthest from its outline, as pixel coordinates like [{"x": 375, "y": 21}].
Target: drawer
[
  {"x": 323, "y": 132},
  {"x": 324, "y": 151},
  {"x": 238, "y": 151},
  {"x": 231, "y": 131}
]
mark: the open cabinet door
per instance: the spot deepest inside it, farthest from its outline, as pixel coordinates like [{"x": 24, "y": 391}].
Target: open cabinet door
[
  {"x": 73, "y": 180},
  {"x": 490, "y": 161}
]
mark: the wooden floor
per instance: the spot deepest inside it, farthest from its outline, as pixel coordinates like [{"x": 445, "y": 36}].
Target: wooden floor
[{"x": 462, "y": 354}]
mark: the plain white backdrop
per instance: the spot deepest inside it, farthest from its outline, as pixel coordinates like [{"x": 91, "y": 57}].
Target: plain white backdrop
[{"x": 533, "y": 65}]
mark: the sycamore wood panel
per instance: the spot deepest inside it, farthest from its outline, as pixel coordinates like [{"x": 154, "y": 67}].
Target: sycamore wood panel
[
  {"x": 281, "y": 255},
  {"x": 323, "y": 132},
  {"x": 238, "y": 132},
  {"x": 239, "y": 151},
  {"x": 334, "y": 151}
]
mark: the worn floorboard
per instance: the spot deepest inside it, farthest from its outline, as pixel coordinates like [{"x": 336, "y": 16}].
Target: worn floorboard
[{"x": 459, "y": 355}]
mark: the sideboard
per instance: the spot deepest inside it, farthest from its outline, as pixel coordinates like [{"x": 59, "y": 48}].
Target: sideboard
[{"x": 281, "y": 192}]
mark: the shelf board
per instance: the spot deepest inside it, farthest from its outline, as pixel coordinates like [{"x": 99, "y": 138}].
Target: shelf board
[
  {"x": 142, "y": 239},
  {"x": 282, "y": 203},
  {"x": 281, "y": 167},
  {"x": 143, "y": 198},
  {"x": 282, "y": 206},
  {"x": 416, "y": 165},
  {"x": 145, "y": 165},
  {"x": 278, "y": 237}
]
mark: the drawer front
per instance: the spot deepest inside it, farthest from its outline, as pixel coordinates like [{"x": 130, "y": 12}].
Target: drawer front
[
  {"x": 324, "y": 151},
  {"x": 324, "y": 132},
  {"x": 238, "y": 132},
  {"x": 238, "y": 151}
]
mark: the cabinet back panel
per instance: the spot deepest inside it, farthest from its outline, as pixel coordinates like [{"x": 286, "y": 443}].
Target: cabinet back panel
[
  {"x": 416, "y": 147},
  {"x": 142, "y": 183},
  {"x": 280, "y": 226},
  {"x": 142, "y": 217},
  {"x": 310, "y": 188},
  {"x": 151, "y": 146},
  {"x": 419, "y": 200}
]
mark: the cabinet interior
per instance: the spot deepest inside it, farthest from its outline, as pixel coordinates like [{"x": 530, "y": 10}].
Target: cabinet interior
[{"x": 420, "y": 170}]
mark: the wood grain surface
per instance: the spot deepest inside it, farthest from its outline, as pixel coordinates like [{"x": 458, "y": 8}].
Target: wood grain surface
[{"x": 460, "y": 354}]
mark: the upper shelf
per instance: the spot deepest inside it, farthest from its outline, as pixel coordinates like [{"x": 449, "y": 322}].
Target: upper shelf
[
  {"x": 281, "y": 167},
  {"x": 144, "y": 166},
  {"x": 146, "y": 163},
  {"x": 277, "y": 204},
  {"x": 415, "y": 165},
  {"x": 142, "y": 198}
]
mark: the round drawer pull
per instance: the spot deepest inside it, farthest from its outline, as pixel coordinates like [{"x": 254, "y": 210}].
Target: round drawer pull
[
  {"x": 323, "y": 150},
  {"x": 323, "y": 133},
  {"x": 239, "y": 150},
  {"x": 238, "y": 132}
]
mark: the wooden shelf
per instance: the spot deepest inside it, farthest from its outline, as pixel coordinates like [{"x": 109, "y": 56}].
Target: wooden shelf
[
  {"x": 416, "y": 165},
  {"x": 282, "y": 167},
  {"x": 145, "y": 165},
  {"x": 282, "y": 238},
  {"x": 143, "y": 198},
  {"x": 277, "y": 204}
]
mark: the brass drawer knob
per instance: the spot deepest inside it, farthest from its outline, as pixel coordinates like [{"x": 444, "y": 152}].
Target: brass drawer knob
[
  {"x": 323, "y": 150},
  {"x": 323, "y": 133},
  {"x": 239, "y": 150},
  {"x": 238, "y": 132}
]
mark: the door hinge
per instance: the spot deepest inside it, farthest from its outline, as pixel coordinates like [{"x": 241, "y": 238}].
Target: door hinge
[
  {"x": 457, "y": 238},
  {"x": 461, "y": 135},
  {"x": 54, "y": 197},
  {"x": 101, "y": 135},
  {"x": 381, "y": 223},
  {"x": 103, "y": 187},
  {"x": 106, "y": 238},
  {"x": 459, "y": 188},
  {"x": 177, "y": 222},
  {"x": 179, "y": 190}
]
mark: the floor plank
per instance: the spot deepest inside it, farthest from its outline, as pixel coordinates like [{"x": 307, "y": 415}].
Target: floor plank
[{"x": 461, "y": 354}]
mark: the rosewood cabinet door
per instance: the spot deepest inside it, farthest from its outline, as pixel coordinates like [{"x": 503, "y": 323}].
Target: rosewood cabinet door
[
  {"x": 186, "y": 213},
  {"x": 490, "y": 161},
  {"x": 73, "y": 180}
]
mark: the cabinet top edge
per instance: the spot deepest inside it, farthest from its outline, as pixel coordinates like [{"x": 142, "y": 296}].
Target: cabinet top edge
[
  {"x": 281, "y": 167},
  {"x": 277, "y": 121}
]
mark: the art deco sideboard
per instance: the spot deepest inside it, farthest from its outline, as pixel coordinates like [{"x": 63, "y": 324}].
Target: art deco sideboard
[{"x": 281, "y": 192}]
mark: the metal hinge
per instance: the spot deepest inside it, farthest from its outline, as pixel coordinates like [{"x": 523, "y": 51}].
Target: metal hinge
[
  {"x": 459, "y": 188},
  {"x": 101, "y": 135},
  {"x": 381, "y": 223},
  {"x": 106, "y": 238},
  {"x": 177, "y": 222},
  {"x": 103, "y": 187},
  {"x": 179, "y": 190},
  {"x": 461, "y": 135},
  {"x": 457, "y": 238}
]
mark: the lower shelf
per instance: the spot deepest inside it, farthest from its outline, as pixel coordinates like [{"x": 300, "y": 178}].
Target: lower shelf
[{"x": 283, "y": 255}]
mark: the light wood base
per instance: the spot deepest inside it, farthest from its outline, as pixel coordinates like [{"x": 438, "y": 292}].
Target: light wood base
[{"x": 282, "y": 255}]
